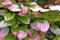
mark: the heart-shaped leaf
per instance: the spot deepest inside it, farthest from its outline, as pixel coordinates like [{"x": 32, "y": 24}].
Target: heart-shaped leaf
[{"x": 43, "y": 26}]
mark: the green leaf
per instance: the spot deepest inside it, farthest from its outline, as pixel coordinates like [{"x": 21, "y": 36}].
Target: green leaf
[
  {"x": 2, "y": 10},
  {"x": 14, "y": 1},
  {"x": 26, "y": 2},
  {"x": 54, "y": 26},
  {"x": 56, "y": 19},
  {"x": 46, "y": 16},
  {"x": 32, "y": 6},
  {"x": 12, "y": 21},
  {"x": 23, "y": 19},
  {"x": 23, "y": 27},
  {"x": 57, "y": 37},
  {"x": 1, "y": 17},
  {"x": 42, "y": 36},
  {"x": 58, "y": 23},
  {"x": 39, "y": 20},
  {"x": 14, "y": 29},
  {"x": 9, "y": 16},
  {"x": 41, "y": 1},
  {"x": 10, "y": 37},
  {"x": 50, "y": 17},
  {"x": 44, "y": 2},
  {"x": 51, "y": 1},
  {"x": 15, "y": 25},
  {"x": 0, "y": 5},
  {"x": 35, "y": 34}
]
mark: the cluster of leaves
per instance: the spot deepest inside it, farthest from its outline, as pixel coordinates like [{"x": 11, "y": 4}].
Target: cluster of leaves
[{"x": 18, "y": 22}]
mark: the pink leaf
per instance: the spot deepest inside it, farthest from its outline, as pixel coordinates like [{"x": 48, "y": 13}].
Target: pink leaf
[
  {"x": 21, "y": 13},
  {"x": 30, "y": 32},
  {"x": 21, "y": 35},
  {"x": 43, "y": 26},
  {"x": 0, "y": 38},
  {"x": 31, "y": 39},
  {"x": 7, "y": 2},
  {"x": 14, "y": 8},
  {"x": 4, "y": 32},
  {"x": 24, "y": 11},
  {"x": 15, "y": 33},
  {"x": 37, "y": 37},
  {"x": 45, "y": 39},
  {"x": 34, "y": 26}
]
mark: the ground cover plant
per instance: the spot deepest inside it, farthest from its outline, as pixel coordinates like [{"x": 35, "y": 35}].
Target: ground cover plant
[{"x": 29, "y": 19}]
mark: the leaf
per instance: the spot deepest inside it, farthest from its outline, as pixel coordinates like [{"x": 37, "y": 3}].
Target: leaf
[
  {"x": 46, "y": 16},
  {"x": 14, "y": 1},
  {"x": 50, "y": 17},
  {"x": 12, "y": 21},
  {"x": 54, "y": 26},
  {"x": 23, "y": 19},
  {"x": 51, "y": 1},
  {"x": 39, "y": 20},
  {"x": 57, "y": 18},
  {"x": 41, "y": 1},
  {"x": 32, "y": 6},
  {"x": 23, "y": 27},
  {"x": 58, "y": 23},
  {"x": 42, "y": 36},
  {"x": 10, "y": 37},
  {"x": 57, "y": 37},
  {"x": 14, "y": 29},
  {"x": 0, "y": 5},
  {"x": 2, "y": 12},
  {"x": 9, "y": 16},
  {"x": 35, "y": 34},
  {"x": 15, "y": 25},
  {"x": 32, "y": 13},
  {"x": 1, "y": 18},
  {"x": 26, "y": 2}
]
